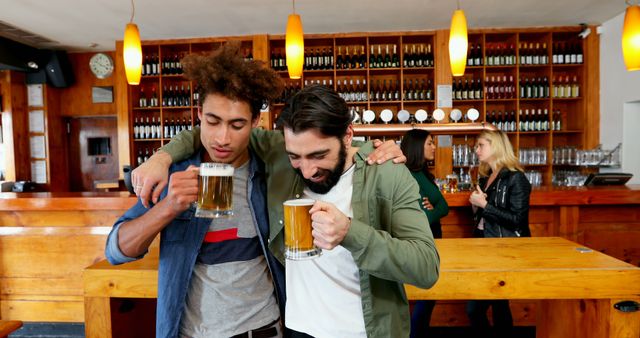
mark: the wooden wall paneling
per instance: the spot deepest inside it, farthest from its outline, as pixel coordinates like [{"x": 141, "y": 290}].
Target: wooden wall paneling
[
  {"x": 102, "y": 326},
  {"x": 91, "y": 168},
  {"x": 7, "y": 125},
  {"x": 15, "y": 119},
  {"x": 121, "y": 97},
  {"x": 76, "y": 100},
  {"x": 260, "y": 51},
  {"x": 57, "y": 140},
  {"x": 578, "y": 318},
  {"x": 591, "y": 89},
  {"x": 442, "y": 76}
]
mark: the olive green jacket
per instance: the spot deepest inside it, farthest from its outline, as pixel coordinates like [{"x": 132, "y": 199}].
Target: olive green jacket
[{"x": 389, "y": 237}]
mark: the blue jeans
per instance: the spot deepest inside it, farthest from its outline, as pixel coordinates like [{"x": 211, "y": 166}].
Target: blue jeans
[
  {"x": 420, "y": 318},
  {"x": 502, "y": 320}
]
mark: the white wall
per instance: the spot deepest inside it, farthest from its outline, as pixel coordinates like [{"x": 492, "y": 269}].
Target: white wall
[{"x": 619, "y": 99}]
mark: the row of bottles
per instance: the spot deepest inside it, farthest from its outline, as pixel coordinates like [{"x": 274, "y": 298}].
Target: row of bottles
[
  {"x": 534, "y": 120},
  {"x": 352, "y": 92},
  {"x": 501, "y": 54},
  {"x": 144, "y": 101},
  {"x": 417, "y": 91},
  {"x": 171, "y": 64},
  {"x": 418, "y": 55},
  {"x": 172, "y": 97},
  {"x": 317, "y": 59},
  {"x": 534, "y": 88},
  {"x": 354, "y": 57},
  {"x": 566, "y": 89},
  {"x": 176, "y": 97},
  {"x": 151, "y": 129},
  {"x": 144, "y": 156},
  {"x": 498, "y": 54},
  {"x": 498, "y": 87},
  {"x": 469, "y": 90},
  {"x": 151, "y": 65},
  {"x": 530, "y": 55},
  {"x": 567, "y": 53}
]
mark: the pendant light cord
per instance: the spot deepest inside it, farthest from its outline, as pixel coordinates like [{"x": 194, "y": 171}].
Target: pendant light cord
[
  {"x": 458, "y": 3},
  {"x": 293, "y": 2},
  {"x": 133, "y": 11},
  {"x": 629, "y": 2}
]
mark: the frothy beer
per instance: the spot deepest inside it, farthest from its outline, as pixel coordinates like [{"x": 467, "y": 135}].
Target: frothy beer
[
  {"x": 298, "y": 240},
  {"x": 215, "y": 190}
]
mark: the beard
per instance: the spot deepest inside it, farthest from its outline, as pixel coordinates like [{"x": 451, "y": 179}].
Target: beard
[{"x": 332, "y": 175}]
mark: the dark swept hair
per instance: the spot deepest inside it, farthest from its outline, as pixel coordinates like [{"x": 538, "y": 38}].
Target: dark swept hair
[
  {"x": 412, "y": 147},
  {"x": 225, "y": 72},
  {"x": 316, "y": 107}
]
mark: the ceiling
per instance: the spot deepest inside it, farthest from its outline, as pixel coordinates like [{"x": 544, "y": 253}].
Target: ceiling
[{"x": 76, "y": 25}]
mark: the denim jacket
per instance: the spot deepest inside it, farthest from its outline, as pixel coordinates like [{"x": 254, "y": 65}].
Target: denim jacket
[{"x": 180, "y": 242}]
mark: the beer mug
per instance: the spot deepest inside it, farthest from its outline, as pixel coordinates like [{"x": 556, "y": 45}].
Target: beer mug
[
  {"x": 215, "y": 190},
  {"x": 298, "y": 241},
  {"x": 452, "y": 183}
]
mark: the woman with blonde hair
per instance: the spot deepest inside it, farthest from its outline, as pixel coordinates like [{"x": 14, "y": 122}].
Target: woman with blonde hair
[{"x": 501, "y": 209}]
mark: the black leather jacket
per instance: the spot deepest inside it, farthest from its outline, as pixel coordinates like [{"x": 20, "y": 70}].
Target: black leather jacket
[{"x": 507, "y": 210}]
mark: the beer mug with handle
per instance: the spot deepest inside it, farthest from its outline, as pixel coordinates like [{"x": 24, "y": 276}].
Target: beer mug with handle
[
  {"x": 215, "y": 190},
  {"x": 298, "y": 240}
]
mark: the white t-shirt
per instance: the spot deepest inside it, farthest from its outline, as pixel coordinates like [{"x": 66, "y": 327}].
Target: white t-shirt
[{"x": 323, "y": 293}]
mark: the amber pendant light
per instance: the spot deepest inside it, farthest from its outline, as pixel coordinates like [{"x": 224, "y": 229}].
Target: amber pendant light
[
  {"x": 132, "y": 51},
  {"x": 631, "y": 37},
  {"x": 458, "y": 42},
  {"x": 294, "y": 45}
]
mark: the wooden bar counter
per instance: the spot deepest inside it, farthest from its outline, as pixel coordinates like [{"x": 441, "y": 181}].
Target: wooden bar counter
[
  {"x": 577, "y": 286},
  {"x": 46, "y": 240}
]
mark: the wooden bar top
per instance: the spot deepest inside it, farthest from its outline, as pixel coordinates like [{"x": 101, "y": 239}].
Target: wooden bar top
[
  {"x": 563, "y": 196},
  {"x": 38, "y": 201},
  {"x": 540, "y": 196},
  {"x": 486, "y": 268}
]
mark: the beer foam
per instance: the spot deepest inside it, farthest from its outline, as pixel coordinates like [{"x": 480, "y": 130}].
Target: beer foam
[
  {"x": 216, "y": 171},
  {"x": 299, "y": 202}
]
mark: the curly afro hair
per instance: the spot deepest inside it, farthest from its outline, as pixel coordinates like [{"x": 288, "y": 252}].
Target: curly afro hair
[{"x": 225, "y": 72}]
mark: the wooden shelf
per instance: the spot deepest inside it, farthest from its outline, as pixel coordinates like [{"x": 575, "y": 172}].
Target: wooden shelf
[{"x": 436, "y": 128}]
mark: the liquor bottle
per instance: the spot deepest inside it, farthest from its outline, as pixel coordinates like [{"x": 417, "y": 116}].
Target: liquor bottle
[
  {"x": 362, "y": 58},
  {"x": 412, "y": 61},
  {"x": 579, "y": 54},
  {"x": 354, "y": 60},
  {"x": 339, "y": 60},
  {"x": 405, "y": 56},
  {"x": 395, "y": 61},
  {"x": 379, "y": 59},
  {"x": 575, "y": 89},
  {"x": 329, "y": 58},
  {"x": 140, "y": 158},
  {"x": 372, "y": 59},
  {"x": 429, "y": 56},
  {"x": 142, "y": 101},
  {"x": 387, "y": 57},
  {"x": 470, "y": 56}
]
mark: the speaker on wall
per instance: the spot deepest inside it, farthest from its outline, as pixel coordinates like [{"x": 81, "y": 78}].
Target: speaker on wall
[{"x": 58, "y": 70}]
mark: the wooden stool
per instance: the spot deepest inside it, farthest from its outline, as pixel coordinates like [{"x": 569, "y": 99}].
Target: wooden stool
[{"x": 9, "y": 326}]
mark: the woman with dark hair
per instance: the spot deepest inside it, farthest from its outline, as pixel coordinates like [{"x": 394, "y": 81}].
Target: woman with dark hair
[{"x": 419, "y": 148}]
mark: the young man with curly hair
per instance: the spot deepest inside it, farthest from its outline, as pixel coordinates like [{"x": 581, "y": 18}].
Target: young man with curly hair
[{"x": 211, "y": 283}]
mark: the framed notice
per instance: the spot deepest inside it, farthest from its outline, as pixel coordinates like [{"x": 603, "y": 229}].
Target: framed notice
[
  {"x": 35, "y": 95},
  {"x": 39, "y": 171},
  {"x": 445, "y": 96},
  {"x": 36, "y": 121},
  {"x": 102, "y": 94},
  {"x": 37, "y": 145}
]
